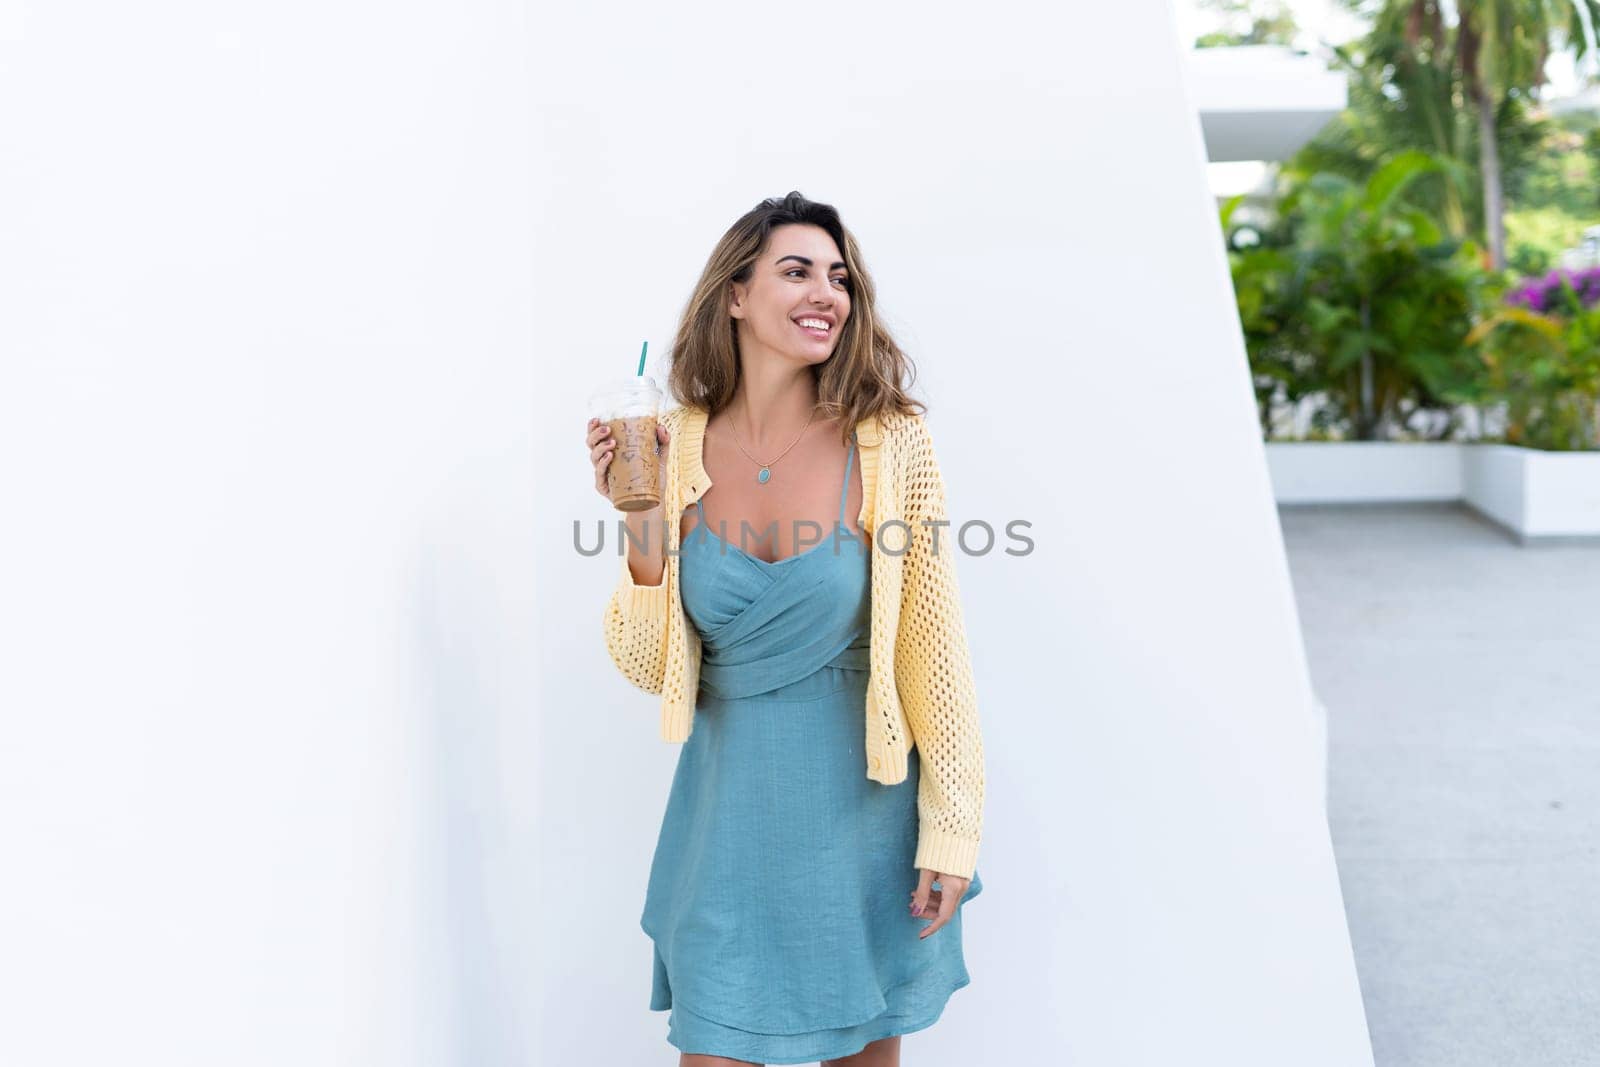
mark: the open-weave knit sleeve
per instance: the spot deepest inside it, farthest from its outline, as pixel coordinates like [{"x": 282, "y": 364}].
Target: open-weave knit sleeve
[
  {"x": 636, "y": 615},
  {"x": 933, "y": 673},
  {"x": 636, "y": 630}
]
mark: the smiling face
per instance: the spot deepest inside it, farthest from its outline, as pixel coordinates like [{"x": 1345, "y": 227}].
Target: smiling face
[{"x": 797, "y": 299}]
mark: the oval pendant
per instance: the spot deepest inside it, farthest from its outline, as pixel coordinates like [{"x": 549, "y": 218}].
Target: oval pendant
[{"x": 763, "y": 476}]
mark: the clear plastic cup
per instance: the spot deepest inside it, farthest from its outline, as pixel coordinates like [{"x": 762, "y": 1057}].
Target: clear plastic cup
[{"x": 630, "y": 406}]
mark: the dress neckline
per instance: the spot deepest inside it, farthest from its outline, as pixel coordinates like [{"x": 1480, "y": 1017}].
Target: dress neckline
[{"x": 701, "y": 524}]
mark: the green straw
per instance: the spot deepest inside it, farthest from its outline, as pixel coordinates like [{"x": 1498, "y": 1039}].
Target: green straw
[{"x": 642, "y": 351}]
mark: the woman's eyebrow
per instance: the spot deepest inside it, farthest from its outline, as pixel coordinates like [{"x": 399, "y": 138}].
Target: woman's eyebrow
[{"x": 807, "y": 262}]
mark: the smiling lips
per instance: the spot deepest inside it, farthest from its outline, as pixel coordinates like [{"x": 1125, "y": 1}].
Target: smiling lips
[{"x": 814, "y": 327}]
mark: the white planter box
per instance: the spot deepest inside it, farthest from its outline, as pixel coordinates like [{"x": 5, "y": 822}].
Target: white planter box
[
  {"x": 1347, "y": 472},
  {"x": 1533, "y": 495},
  {"x": 1536, "y": 495}
]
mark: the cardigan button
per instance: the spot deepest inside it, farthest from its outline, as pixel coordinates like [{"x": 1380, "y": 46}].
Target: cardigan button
[{"x": 875, "y": 762}]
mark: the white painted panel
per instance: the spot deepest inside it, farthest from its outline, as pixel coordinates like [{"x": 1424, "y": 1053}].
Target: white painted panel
[
  {"x": 298, "y": 775},
  {"x": 1161, "y": 888},
  {"x": 265, "y": 587}
]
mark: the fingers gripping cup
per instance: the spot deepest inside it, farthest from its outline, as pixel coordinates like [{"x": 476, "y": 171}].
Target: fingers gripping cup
[{"x": 630, "y": 408}]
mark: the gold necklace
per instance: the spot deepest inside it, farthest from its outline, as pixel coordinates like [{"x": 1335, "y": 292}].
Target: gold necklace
[{"x": 766, "y": 468}]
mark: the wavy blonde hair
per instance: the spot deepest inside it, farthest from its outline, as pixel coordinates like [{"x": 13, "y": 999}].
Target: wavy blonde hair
[{"x": 867, "y": 374}]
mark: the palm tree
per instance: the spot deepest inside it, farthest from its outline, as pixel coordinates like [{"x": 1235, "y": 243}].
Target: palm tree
[
  {"x": 1498, "y": 50},
  {"x": 1405, "y": 89},
  {"x": 1503, "y": 47}
]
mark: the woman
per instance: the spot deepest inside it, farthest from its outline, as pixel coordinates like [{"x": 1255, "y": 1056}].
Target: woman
[{"x": 823, "y": 823}]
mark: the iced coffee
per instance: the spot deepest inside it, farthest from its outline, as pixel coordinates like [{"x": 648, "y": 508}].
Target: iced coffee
[{"x": 631, "y": 408}]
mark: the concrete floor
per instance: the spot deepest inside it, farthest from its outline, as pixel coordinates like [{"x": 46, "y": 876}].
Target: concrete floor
[{"x": 1461, "y": 674}]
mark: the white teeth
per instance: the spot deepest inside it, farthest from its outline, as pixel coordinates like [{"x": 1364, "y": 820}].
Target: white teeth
[{"x": 816, "y": 324}]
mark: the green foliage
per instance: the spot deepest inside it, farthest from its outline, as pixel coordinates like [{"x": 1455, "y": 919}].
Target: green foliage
[
  {"x": 1365, "y": 290},
  {"x": 1404, "y": 98},
  {"x": 1555, "y": 196},
  {"x": 1546, "y": 367},
  {"x": 1359, "y": 299},
  {"x": 1417, "y": 80},
  {"x": 1244, "y": 22},
  {"x": 1537, "y": 236},
  {"x": 1591, "y": 151},
  {"x": 1360, "y": 296}
]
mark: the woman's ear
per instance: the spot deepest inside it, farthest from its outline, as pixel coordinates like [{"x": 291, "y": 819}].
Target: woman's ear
[{"x": 736, "y": 300}]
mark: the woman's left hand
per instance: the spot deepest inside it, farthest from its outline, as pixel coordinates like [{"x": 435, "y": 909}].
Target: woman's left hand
[{"x": 939, "y": 904}]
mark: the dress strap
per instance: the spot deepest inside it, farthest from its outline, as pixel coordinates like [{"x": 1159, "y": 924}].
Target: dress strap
[{"x": 844, "y": 491}]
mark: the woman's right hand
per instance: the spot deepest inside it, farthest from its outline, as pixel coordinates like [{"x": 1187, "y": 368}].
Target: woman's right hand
[{"x": 602, "y": 444}]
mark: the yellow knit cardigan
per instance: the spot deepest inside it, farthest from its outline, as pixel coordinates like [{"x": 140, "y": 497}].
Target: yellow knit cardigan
[{"x": 920, "y": 690}]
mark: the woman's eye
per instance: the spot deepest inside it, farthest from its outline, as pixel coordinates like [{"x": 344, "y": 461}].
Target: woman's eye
[{"x": 801, "y": 270}]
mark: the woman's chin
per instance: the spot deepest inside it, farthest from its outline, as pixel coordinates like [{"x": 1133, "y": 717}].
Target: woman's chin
[{"x": 814, "y": 356}]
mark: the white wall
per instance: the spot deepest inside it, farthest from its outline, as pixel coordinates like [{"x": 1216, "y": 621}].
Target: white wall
[
  {"x": 292, "y": 771},
  {"x": 265, "y": 588},
  {"x": 1159, "y": 883}
]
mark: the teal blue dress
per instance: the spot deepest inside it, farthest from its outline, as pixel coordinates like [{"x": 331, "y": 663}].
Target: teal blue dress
[{"x": 779, "y": 892}]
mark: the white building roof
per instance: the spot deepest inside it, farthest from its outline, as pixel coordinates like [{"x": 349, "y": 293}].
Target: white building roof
[{"x": 1261, "y": 102}]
